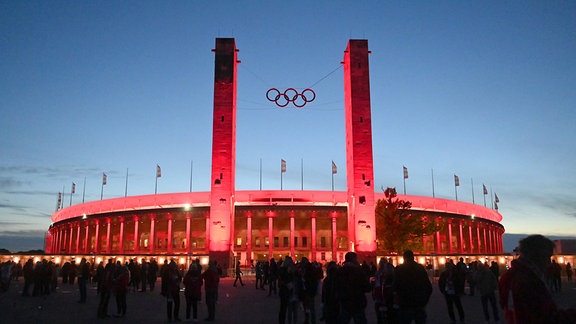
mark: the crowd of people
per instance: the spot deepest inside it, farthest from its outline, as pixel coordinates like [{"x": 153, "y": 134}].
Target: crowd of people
[{"x": 399, "y": 294}]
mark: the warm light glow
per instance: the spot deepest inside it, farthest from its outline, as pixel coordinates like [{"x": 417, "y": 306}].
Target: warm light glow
[
  {"x": 401, "y": 260},
  {"x": 120, "y": 259},
  {"x": 422, "y": 260},
  {"x": 502, "y": 260},
  {"x": 16, "y": 259},
  {"x": 187, "y": 207},
  {"x": 204, "y": 260},
  {"x": 36, "y": 259},
  {"x": 561, "y": 259},
  {"x": 98, "y": 260},
  {"x": 442, "y": 260},
  {"x": 182, "y": 260},
  {"x": 161, "y": 260}
]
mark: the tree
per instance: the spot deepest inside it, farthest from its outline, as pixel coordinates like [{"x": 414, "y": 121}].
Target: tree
[{"x": 398, "y": 228}]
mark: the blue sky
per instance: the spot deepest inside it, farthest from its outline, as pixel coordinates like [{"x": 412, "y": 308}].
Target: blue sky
[{"x": 482, "y": 90}]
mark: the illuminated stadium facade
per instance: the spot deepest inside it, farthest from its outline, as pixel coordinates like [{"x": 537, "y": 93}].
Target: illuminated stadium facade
[{"x": 255, "y": 225}]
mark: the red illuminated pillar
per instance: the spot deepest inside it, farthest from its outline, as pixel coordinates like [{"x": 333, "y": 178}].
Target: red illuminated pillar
[
  {"x": 170, "y": 222},
  {"x": 334, "y": 216},
  {"x": 108, "y": 236},
  {"x": 486, "y": 247},
  {"x": 460, "y": 237},
  {"x": 470, "y": 239},
  {"x": 97, "y": 237},
  {"x": 479, "y": 243},
  {"x": 151, "y": 236},
  {"x": 249, "y": 236},
  {"x": 68, "y": 241},
  {"x": 136, "y": 235},
  {"x": 121, "y": 242},
  {"x": 223, "y": 151},
  {"x": 359, "y": 158},
  {"x": 437, "y": 241},
  {"x": 78, "y": 237},
  {"x": 86, "y": 237},
  {"x": 188, "y": 216},
  {"x": 313, "y": 227},
  {"x": 450, "y": 247},
  {"x": 270, "y": 235},
  {"x": 292, "y": 249}
]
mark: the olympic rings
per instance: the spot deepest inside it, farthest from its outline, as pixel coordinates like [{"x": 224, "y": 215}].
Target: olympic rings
[{"x": 290, "y": 95}]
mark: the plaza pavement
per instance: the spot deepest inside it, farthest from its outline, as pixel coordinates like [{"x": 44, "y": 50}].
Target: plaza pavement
[{"x": 236, "y": 305}]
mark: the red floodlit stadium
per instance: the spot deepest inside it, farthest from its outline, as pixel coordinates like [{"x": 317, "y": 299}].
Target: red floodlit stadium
[{"x": 226, "y": 224}]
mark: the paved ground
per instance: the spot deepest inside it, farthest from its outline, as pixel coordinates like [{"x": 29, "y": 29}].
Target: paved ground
[{"x": 236, "y": 305}]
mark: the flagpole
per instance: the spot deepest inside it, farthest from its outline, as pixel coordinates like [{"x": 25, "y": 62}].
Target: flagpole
[
  {"x": 71, "y": 192},
  {"x": 191, "y": 169},
  {"x": 404, "y": 180},
  {"x": 281, "y": 174},
  {"x": 334, "y": 170},
  {"x": 84, "y": 190},
  {"x": 472, "y": 181},
  {"x": 102, "y": 187},
  {"x": 126, "y": 187},
  {"x": 456, "y": 186},
  {"x": 433, "y": 195},
  {"x": 156, "y": 182},
  {"x": 491, "y": 197},
  {"x": 301, "y": 174}
]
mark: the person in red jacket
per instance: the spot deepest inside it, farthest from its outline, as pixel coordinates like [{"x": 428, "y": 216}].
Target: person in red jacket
[{"x": 524, "y": 293}]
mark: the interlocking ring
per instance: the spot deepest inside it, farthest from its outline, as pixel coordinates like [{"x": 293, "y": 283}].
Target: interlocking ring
[{"x": 290, "y": 95}]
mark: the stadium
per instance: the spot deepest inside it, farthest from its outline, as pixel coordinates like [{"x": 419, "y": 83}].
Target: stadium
[{"x": 230, "y": 225}]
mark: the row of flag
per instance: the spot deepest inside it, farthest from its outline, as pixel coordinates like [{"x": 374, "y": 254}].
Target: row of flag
[
  {"x": 60, "y": 202},
  {"x": 283, "y": 167},
  {"x": 456, "y": 184}
]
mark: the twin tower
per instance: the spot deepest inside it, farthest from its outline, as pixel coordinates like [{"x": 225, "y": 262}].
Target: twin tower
[{"x": 359, "y": 157}]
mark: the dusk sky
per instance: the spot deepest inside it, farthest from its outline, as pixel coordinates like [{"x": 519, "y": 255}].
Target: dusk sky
[{"x": 483, "y": 90}]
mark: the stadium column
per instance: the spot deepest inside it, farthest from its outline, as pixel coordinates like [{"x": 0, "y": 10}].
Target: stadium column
[
  {"x": 56, "y": 245},
  {"x": 437, "y": 239},
  {"x": 313, "y": 243},
  {"x": 486, "y": 247},
  {"x": 97, "y": 236},
  {"x": 271, "y": 234},
  {"x": 359, "y": 159},
  {"x": 136, "y": 235},
  {"x": 121, "y": 236},
  {"x": 460, "y": 237},
  {"x": 151, "y": 236},
  {"x": 479, "y": 242},
  {"x": 450, "y": 246},
  {"x": 249, "y": 236},
  {"x": 170, "y": 223},
  {"x": 70, "y": 236},
  {"x": 108, "y": 235},
  {"x": 292, "y": 227},
  {"x": 86, "y": 237},
  {"x": 223, "y": 152},
  {"x": 334, "y": 217},
  {"x": 188, "y": 216},
  {"x": 78, "y": 229},
  {"x": 470, "y": 238}
]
